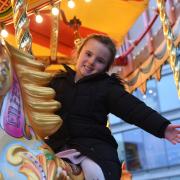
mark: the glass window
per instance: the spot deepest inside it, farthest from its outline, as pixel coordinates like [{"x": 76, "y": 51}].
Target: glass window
[
  {"x": 134, "y": 150},
  {"x": 151, "y": 96},
  {"x": 121, "y": 148},
  {"x": 167, "y": 92},
  {"x": 155, "y": 151},
  {"x": 114, "y": 119},
  {"x": 175, "y": 178}
]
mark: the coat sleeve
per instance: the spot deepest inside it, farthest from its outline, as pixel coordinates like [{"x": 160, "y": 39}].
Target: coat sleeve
[{"x": 134, "y": 111}]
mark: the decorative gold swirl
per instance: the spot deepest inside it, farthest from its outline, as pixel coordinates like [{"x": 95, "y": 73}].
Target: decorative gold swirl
[
  {"x": 172, "y": 50},
  {"x": 15, "y": 155},
  {"x": 18, "y": 155},
  {"x": 42, "y": 166}
]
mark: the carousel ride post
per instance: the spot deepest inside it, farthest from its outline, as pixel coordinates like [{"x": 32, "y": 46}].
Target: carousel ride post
[
  {"x": 21, "y": 25},
  {"x": 173, "y": 51}
]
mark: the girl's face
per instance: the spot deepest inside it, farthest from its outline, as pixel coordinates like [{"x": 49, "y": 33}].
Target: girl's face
[{"x": 93, "y": 58}]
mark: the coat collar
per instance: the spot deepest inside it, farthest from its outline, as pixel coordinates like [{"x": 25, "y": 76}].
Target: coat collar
[{"x": 71, "y": 74}]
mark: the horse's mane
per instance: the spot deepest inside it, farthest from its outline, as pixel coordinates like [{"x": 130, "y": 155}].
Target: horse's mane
[{"x": 38, "y": 103}]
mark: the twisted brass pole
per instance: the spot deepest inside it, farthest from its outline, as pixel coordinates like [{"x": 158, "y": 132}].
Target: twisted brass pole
[
  {"x": 173, "y": 51},
  {"x": 21, "y": 24}
]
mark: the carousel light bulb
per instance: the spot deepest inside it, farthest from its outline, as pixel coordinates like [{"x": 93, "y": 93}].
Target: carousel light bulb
[
  {"x": 4, "y": 33},
  {"x": 87, "y": 1},
  {"x": 39, "y": 18},
  {"x": 71, "y": 4},
  {"x": 55, "y": 11}
]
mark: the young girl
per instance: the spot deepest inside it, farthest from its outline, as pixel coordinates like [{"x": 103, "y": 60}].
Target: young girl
[{"x": 88, "y": 96}]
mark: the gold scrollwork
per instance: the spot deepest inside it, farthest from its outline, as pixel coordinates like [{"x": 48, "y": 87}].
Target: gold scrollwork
[{"x": 37, "y": 167}]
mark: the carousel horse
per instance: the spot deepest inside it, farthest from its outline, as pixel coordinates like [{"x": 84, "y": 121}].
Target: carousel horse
[{"x": 26, "y": 117}]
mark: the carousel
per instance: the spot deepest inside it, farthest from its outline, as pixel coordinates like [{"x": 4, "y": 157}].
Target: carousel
[{"x": 37, "y": 37}]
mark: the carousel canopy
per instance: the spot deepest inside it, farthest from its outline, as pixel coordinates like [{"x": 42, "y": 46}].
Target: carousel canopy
[{"x": 111, "y": 17}]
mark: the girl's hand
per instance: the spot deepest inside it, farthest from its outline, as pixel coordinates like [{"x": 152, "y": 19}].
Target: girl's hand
[{"x": 172, "y": 133}]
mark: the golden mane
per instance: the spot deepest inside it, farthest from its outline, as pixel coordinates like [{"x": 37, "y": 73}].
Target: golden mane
[{"x": 38, "y": 103}]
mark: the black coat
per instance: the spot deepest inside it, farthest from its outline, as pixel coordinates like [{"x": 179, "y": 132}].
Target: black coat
[{"x": 85, "y": 106}]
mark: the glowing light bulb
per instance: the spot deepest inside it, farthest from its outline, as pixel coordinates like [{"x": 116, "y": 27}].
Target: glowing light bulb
[
  {"x": 71, "y": 4},
  {"x": 39, "y": 18},
  {"x": 55, "y": 11},
  {"x": 4, "y": 33},
  {"x": 87, "y": 1}
]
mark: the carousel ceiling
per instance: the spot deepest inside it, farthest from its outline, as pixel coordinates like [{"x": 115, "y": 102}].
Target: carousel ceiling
[{"x": 111, "y": 17}]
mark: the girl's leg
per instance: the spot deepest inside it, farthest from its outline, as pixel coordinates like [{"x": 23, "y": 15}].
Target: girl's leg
[{"x": 91, "y": 170}]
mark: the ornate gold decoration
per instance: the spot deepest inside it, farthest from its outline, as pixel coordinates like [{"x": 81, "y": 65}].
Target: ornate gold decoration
[
  {"x": 37, "y": 167},
  {"x": 172, "y": 50}
]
